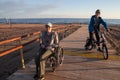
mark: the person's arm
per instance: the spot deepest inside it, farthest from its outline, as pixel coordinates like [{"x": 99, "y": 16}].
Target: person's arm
[
  {"x": 104, "y": 24},
  {"x": 91, "y": 24},
  {"x": 43, "y": 40},
  {"x": 56, "y": 39}
]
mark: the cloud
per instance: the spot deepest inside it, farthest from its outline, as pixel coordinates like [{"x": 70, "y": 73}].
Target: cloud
[{"x": 23, "y": 8}]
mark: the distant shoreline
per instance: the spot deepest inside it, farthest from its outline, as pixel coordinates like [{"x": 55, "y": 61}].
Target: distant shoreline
[
  {"x": 55, "y": 21},
  {"x": 2, "y": 24}
]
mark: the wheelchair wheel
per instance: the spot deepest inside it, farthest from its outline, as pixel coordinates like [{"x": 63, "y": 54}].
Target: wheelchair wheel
[
  {"x": 105, "y": 52},
  {"x": 61, "y": 56},
  {"x": 53, "y": 63}
]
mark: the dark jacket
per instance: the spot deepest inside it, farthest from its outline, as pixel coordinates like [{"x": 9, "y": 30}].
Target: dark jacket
[{"x": 92, "y": 23}]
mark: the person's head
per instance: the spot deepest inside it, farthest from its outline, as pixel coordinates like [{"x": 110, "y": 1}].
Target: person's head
[
  {"x": 48, "y": 27},
  {"x": 97, "y": 13}
]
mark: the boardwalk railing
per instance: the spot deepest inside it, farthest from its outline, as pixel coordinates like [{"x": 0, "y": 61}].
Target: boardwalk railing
[
  {"x": 62, "y": 31},
  {"x": 113, "y": 41},
  {"x": 19, "y": 47}
]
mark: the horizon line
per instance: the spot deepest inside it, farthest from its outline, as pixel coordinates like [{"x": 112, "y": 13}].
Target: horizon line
[{"x": 51, "y": 18}]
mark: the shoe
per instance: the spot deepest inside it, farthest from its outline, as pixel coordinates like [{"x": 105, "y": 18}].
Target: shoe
[
  {"x": 99, "y": 49},
  {"x": 42, "y": 78},
  {"x": 38, "y": 78},
  {"x": 35, "y": 77}
]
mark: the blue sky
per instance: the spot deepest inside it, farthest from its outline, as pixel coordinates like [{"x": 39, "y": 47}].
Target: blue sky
[{"x": 58, "y": 8}]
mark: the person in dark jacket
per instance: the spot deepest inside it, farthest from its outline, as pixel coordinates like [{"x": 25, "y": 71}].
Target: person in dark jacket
[
  {"x": 94, "y": 27},
  {"x": 49, "y": 41}
]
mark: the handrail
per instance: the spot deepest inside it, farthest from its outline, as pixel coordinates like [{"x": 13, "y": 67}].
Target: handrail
[
  {"x": 28, "y": 35},
  {"x": 59, "y": 27},
  {"x": 19, "y": 47},
  {"x": 10, "y": 50},
  {"x": 113, "y": 42},
  {"x": 11, "y": 40}
]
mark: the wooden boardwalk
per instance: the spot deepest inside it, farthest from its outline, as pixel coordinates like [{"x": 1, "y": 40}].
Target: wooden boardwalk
[{"x": 78, "y": 63}]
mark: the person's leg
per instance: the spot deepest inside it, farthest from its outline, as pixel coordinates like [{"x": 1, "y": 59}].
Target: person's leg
[
  {"x": 42, "y": 62},
  {"x": 97, "y": 38},
  {"x": 37, "y": 62},
  {"x": 90, "y": 39},
  {"x": 98, "y": 41},
  {"x": 91, "y": 36}
]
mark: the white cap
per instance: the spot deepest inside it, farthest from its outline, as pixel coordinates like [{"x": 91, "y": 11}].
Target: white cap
[{"x": 49, "y": 24}]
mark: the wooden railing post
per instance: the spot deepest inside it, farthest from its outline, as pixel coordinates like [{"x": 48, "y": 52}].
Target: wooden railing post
[{"x": 22, "y": 56}]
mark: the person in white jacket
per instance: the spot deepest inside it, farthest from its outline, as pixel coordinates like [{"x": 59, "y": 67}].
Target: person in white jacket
[{"x": 49, "y": 41}]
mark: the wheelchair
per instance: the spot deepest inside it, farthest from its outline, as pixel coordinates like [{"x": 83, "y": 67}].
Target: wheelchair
[{"x": 55, "y": 59}]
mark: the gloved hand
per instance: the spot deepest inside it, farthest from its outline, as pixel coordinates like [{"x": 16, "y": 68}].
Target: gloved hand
[
  {"x": 108, "y": 30},
  {"x": 43, "y": 46},
  {"x": 54, "y": 45},
  {"x": 49, "y": 48}
]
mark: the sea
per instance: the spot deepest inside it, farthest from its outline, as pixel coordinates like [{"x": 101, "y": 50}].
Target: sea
[{"x": 55, "y": 20}]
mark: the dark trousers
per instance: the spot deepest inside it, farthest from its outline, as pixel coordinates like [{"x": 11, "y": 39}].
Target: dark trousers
[{"x": 96, "y": 35}]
